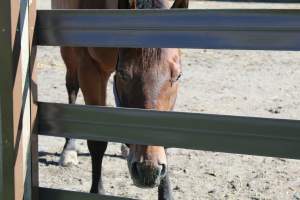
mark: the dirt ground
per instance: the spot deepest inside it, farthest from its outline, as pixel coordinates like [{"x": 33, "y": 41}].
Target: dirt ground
[{"x": 248, "y": 83}]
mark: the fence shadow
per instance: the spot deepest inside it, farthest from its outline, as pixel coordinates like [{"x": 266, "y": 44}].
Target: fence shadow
[{"x": 51, "y": 162}]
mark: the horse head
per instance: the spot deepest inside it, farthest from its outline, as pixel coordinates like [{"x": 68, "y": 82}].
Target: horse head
[{"x": 146, "y": 78}]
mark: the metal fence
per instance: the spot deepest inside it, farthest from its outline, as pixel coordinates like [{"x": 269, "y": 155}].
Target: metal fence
[
  {"x": 216, "y": 29},
  {"x": 255, "y": 29},
  {"x": 17, "y": 110}
]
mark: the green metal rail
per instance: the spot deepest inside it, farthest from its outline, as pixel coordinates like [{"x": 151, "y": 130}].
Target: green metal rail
[
  {"x": 252, "y": 29},
  {"x": 233, "y": 134},
  {"x": 51, "y": 194}
]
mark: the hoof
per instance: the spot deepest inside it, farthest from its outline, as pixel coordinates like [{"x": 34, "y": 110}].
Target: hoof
[
  {"x": 124, "y": 151},
  {"x": 68, "y": 158}
]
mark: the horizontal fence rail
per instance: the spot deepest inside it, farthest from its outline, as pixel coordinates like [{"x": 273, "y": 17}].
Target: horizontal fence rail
[
  {"x": 259, "y": 1},
  {"x": 212, "y": 29},
  {"x": 50, "y": 194},
  {"x": 232, "y": 134}
]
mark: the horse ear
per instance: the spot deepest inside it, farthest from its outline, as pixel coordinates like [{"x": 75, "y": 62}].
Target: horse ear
[
  {"x": 123, "y": 4},
  {"x": 181, "y": 4}
]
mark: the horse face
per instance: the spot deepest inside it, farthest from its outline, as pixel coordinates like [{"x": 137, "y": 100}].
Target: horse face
[{"x": 147, "y": 79}]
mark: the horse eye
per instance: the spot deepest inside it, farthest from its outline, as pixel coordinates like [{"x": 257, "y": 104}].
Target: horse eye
[
  {"x": 179, "y": 76},
  {"x": 123, "y": 75},
  {"x": 173, "y": 80}
]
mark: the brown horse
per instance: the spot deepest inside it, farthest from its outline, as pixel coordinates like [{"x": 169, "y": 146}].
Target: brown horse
[{"x": 145, "y": 78}]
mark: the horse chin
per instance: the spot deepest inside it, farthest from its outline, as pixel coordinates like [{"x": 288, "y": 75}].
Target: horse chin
[
  {"x": 143, "y": 182},
  {"x": 146, "y": 184}
]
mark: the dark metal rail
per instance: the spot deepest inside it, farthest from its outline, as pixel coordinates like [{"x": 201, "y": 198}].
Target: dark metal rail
[
  {"x": 233, "y": 134},
  {"x": 50, "y": 194},
  {"x": 259, "y": 1},
  {"x": 213, "y": 29}
]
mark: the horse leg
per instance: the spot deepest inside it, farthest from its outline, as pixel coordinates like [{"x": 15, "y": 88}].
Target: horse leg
[
  {"x": 164, "y": 189},
  {"x": 97, "y": 150},
  {"x": 69, "y": 152},
  {"x": 93, "y": 82},
  {"x": 124, "y": 150}
]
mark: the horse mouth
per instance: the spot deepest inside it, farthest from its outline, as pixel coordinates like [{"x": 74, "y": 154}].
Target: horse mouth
[
  {"x": 145, "y": 177},
  {"x": 146, "y": 183}
]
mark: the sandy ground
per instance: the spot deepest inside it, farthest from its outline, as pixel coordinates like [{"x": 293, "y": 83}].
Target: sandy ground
[{"x": 249, "y": 83}]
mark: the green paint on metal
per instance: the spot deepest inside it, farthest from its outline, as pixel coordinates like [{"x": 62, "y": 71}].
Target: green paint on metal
[
  {"x": 232, "y": 134},
  {"x": 1, "y": 152},
  {"x": 251, "y": 29},
  {"x": 6, "y": 81},
  {"x": 51, "y": 194}
]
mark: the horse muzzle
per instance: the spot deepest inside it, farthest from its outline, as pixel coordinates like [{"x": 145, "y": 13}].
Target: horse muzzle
[{"x": 146, "y": 174}]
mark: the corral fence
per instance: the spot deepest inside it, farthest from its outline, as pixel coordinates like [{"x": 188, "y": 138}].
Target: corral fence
[{"x": 22, "y": 118}]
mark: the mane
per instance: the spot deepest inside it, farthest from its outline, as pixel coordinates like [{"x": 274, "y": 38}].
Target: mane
[{"x": 151, "y": 56}]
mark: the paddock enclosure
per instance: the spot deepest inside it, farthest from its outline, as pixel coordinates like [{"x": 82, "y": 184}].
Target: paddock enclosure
[{"x": 22, "y": 117}]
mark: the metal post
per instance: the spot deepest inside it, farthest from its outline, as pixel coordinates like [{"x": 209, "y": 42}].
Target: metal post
[
  {"x": 6, "y": 104},
  {"x": 16, "y": 32}
]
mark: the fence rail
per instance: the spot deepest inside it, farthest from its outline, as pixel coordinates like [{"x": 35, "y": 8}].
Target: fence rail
[
  {"x": 212, "y": 29},
  {"x": 50, "y": 194},
  {"x": 233, "y": 134},
  {"x": 257, "y": 1}
]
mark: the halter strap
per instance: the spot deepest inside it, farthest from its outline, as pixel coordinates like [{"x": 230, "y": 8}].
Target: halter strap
[
  {"x": 116, "y": 94},
  {"x": 115, "y": 90}
]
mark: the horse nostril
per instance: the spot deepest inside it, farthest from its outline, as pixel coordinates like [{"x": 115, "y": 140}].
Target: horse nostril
[
  {"x": 140, "y": 169},
  {"x": 163, "y": 171}
]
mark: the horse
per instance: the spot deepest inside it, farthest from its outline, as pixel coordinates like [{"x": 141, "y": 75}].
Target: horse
[{"x": 144, "y": 78}]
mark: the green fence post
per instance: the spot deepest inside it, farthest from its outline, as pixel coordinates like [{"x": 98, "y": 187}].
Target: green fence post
[{"x": 6, "y": 104}]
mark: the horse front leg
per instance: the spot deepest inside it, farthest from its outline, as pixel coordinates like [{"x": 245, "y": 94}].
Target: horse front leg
[
  {"x": 97, "y": 150},
  {"x": 164, "y": 189},
  {"x": 93, "y": 81},
  {"x": 69, "y": 154}
]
